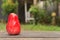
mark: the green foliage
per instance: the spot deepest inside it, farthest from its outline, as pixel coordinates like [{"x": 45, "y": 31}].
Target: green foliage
[
  {"x": 44, "y": 17},
  {"x": 34, "y": 10},
  {"x": 40, "y": 15},
  {"x": 58, "y": 20},
  {"x": 57, "y": 0},
  {"x": 9, "y": 7}
]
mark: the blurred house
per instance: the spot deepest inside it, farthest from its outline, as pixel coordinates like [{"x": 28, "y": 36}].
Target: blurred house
[
  {"x": 23, "y": 9},
  {"x": 24, "y": 5}
]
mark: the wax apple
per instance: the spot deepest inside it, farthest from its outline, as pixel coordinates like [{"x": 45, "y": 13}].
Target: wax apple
[{"x": 13, "y": 25}]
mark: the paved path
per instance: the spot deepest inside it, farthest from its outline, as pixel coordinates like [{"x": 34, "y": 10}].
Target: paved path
[
  {"x": 29, "y": 38},
  {"x": 31, "y": 34}
]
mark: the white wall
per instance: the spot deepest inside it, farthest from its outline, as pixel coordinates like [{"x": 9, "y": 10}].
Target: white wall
[{"x": 41, "y": 4}]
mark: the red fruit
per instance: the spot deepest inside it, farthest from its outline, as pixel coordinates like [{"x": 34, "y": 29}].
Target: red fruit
[{"x": 13, "y": 25}]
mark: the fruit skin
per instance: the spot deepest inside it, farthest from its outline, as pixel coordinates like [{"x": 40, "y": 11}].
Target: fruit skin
[{"x": 13, "y": 26}]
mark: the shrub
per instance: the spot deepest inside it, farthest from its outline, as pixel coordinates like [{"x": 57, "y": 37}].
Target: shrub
[
  {"x": 40, "y": 15},
  {"x": 44, "y": 16},
  {"x": 34, "y": 10},
  {"x": 9, "y": 7}
]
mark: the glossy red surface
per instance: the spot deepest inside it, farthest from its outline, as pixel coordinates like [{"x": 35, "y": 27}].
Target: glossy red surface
[{"x": 13, "y": 26}]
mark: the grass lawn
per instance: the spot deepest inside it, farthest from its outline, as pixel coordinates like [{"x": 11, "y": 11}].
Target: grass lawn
[
  {"x": 41, "y": 27},
  {"x": 31, "y": 27}
]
